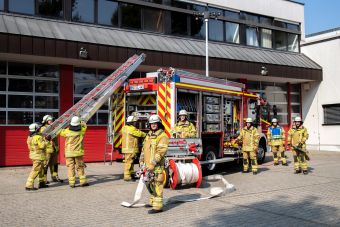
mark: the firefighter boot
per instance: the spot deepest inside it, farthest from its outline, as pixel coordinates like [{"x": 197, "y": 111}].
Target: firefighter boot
[
  {"x": 283, "y": 159},
  {"x": 254, "y": 166},
  {"x": 276, "y": 159},
  {"x": 296, "y": 165},
  {"x": 43, "y": 185},
  {"x": 55, "y": 177},
  {"x": 245, "y": 165},
  {"x": 303, "y": 164}
]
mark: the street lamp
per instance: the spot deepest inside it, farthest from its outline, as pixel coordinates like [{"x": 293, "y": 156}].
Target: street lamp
[{"x": 207, "y": 15}]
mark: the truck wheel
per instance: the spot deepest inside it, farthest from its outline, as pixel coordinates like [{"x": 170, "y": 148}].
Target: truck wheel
[
  {"x": 261, "y": 154},
  {"x": 210, "y": 155}
]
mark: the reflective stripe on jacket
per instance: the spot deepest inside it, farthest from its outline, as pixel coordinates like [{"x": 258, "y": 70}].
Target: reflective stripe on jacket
[
  {"x": 298, "y": 136},
  {"x": 184, "y": 130},
  {"x": 154, "y": 149},
  {"x": 130, "y": 135},
  {"x": 74, "y": 142},
  {"x": 37, "y": 145}
]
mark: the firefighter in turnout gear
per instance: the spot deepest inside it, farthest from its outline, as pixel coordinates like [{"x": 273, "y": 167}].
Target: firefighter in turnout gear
[
  {"x": 297, "y": 137},
  {"x": 184, "y": 128},
  {"x": 153, "y": 158},
  {"x": 74, "y": 151},
  {"x": 36, "y": 145},
  {"x": 52, "y": 151},
  {"x": 130, "y": 136},
  {"x": 250, "y": 140},
  {"x": 276, "y": 140}
]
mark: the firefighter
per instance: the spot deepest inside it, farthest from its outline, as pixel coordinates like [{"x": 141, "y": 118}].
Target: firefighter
[
  {"x": 297, "y": 137},
  {"x": 74, "y": 151},
  {"x": 36, "y": 145},
  {"x": 184, "y": 128},
  {"x": 130, "y": 136},
  {"x": 52, "y": 151},
  {"x": 276, "y": 139},
  {"x": 250, "y": 140},
  {"x": 153, "y": 158}
]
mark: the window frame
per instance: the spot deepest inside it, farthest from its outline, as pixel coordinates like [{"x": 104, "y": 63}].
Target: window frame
[{"x": 324, "y": 118}]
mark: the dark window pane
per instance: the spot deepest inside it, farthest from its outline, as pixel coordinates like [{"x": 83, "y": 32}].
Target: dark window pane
[
  {"x": 295, "y": 98},
  {"x": 293, "y": 42},
  {"x": 103, "y": 73},
  {"x": 295, "y": 87},
  {"x": 47, "y": 71},
  {"x": 18, "y": 118},
  {"x": 296, "y": 108},
  {"x": 252, "y": 36},
  {"x": 179, "y": 24},
  {"x": 102, "y": 118},
  {"x": 50, "y": 8},
  {"x": 266, "y": 38},
  {"x": 280, "y": 24},
  {"x": 2, "y": 101},
  {"x": 280, "y": 40},
  {"x": 20, "y": 85},
  {"x": 154, "y": 1},
  {"x": 232, "y": 32},
  {"x": 266, "y": 20},
  {"x": 215, "y": 30},
  {"x": 108, "y": 12},
  {"x": 197, "y": 27},
  {"x": 179, "y": 4},
  {"x": 20, "y": 69},
  {"x": 83, "y": 10},
  {"x": 46, "y": 102},
  {"x": 92, "y": 120},
  {"x": 282, "y": 119},
  {"x": 231, "y": 14},
  {"x": 1, "y": 4},
  {"x": 250, "y": 17},
  {"x": 2, "y": 117},
  {"x": 2, "y": 67},
  {"x": 2, "y": 84},
  {"x": 21, "y": 6},
  {"x": 153, "y": 20},
  {"x": 295, "y": 27},
  {"x": 131, "y": 16},
  {"x": 39, "y": 115},
  {"x": 20, "y": 101},
  {"x": 84, "y": 80},
  {"x": 46, "y": 86}
]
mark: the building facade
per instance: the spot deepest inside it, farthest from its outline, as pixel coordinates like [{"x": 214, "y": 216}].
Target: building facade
[
  {"x": 42, "y": 72},
  {"x": 322, "y": 100}
]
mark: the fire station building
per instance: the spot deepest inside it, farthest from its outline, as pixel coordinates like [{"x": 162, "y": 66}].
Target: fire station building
[{"x": 53, "y": 52}]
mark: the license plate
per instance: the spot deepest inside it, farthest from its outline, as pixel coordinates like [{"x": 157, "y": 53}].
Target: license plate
[{"x": 136, "y": 87}]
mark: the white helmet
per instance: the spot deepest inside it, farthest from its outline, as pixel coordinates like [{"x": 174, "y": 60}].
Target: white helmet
[
  {"x": 274, "y": 120},
  {"x": 75, "y": 121},
  {"x": 249, "y": 120},
  {"x": 131, "y": 119},
  {"x": 154, "y": 119},
  {"x": 47, "y": 118},
  {"x": 297, "y": 119},
  {"x": 33, "y": 127},
  {"x": 183, "y": 112}
]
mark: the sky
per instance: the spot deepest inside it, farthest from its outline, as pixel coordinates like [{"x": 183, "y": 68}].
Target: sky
[{"x": 321, "y": 15}]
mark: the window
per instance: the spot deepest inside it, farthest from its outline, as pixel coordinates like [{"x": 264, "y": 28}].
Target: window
[
  {"x": 266, "y": 38},
  {"x": 293, "y": 42},
  {"x": 1, "y": 7},
  {"x": 232, "y": 14},
  {"x": 295, "y": 98},
  {"x": 266, "y": 20},
  {"x": 179, "y": 24},
  {"x": 331, "y": 114},
  {"x": 131, "y": 16},
  {"x": 232, "y": 32},
  {"x": 3, "y": 67},
  {"x": 21, "y": 6},
  {"x": 85, "y": 79},
  {"x": 280, "y": 24},
  {"x": 252, "y": 36},
  {"x": 83, "y": 11},
  {"x": 250, "y": 17},
  {"x": 152, "y": 20},
  {"x": 280, "y": 40},
  {"x": 107, "y": 12},
  {"x": 294, "y": 27},
  {"x": 50, "y": 8},
  {"x": 28, "y": 92}
]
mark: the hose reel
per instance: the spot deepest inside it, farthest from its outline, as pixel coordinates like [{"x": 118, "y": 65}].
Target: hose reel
[{"x": 185, "y": 173}]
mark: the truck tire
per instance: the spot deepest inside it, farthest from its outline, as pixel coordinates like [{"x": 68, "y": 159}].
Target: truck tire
[
  {"x": 261, "y": 153},
  {"x": 210, "y": 154}
]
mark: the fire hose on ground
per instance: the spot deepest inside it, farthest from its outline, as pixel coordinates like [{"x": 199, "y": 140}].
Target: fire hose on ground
[{"x": 183, "y": 173}]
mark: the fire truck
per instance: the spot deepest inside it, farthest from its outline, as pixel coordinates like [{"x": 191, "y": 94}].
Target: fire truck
[{"x": 216, "y": 107}]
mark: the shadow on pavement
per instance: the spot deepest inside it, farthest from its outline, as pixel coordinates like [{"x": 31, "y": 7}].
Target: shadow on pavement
[
  {"x": 103, "y": 178},
  {"x": 278, "y": 212}
]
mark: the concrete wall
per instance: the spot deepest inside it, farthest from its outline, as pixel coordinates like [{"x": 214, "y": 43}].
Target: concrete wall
[
  {"x": 281, "y": 9},
  {"x": 314, "y": 95}
]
